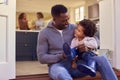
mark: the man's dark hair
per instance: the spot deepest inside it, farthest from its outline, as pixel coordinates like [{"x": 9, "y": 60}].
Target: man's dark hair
[
  {"x": 58, "y": 9},
  {"x": 89, "y": 27}
]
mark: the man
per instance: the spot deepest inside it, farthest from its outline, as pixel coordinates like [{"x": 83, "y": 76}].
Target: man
[{"x": 50, "y": 48}]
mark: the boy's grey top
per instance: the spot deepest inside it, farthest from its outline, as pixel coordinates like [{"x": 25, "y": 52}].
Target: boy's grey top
[{"x": 50, "y": 43}]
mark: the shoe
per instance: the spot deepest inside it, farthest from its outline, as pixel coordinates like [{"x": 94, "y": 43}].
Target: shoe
[
  {"x": 67, "y": 51},
  {"x": 89, "y": 69},
  {"x": 74, "y": 52}
]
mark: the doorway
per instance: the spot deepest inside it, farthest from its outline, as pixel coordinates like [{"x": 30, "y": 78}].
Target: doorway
[{"x": 26, "y": 40}]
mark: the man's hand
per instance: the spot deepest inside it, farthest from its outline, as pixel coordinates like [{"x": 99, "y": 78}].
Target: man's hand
[{"x": 82, "y": 48}]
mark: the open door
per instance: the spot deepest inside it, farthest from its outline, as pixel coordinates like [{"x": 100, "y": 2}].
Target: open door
[{"x": 7, "y": 39}]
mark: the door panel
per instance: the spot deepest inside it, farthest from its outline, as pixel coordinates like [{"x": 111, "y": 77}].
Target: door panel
[
  {"x": 7, "y": 39},
  {"x": 3, "y": 41}
]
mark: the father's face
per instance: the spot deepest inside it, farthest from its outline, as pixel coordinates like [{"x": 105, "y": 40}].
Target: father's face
[{"x": 61, "y": 21}]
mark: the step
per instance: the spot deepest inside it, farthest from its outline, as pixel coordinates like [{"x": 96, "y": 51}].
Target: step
[{"x": 46, "y": 77}]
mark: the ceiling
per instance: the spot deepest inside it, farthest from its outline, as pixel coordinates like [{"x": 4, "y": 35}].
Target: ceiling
[{"x": 44, "y": 5}]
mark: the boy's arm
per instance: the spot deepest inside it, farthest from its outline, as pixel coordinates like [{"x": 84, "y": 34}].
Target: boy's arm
[{"x": 90, "y": 43}]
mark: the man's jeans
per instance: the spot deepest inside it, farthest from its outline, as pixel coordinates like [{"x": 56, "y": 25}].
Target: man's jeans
[{"x": 64, "y": 71}]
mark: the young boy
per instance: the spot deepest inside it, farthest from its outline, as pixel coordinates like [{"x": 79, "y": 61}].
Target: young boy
[{"x": 83, "y": 37}]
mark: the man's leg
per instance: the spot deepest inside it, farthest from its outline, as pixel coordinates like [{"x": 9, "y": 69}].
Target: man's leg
[
  {"x": 105, "y": 68},
  {"x": 58, "y": 72}
]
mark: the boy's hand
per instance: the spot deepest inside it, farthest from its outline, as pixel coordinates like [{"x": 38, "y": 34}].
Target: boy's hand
[
  {"x": 82, "y": 48},
  {"x": 73, "y": 64}
]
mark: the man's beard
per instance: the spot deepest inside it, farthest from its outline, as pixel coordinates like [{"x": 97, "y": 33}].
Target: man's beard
[{"x": 61, "y": 27}]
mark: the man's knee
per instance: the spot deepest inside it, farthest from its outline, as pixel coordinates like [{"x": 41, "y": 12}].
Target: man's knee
[
  {"x": 100, "y": 58},
  {"x": 64, "y": 76},
  {"x": 58, "y": 72}
]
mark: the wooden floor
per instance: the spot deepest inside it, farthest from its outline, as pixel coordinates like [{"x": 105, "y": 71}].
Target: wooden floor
[{"x": 46, "y": 77}]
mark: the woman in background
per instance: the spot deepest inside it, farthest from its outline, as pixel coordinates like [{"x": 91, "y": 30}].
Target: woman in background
[
  {"x": 39, "y": 23},
  {"x": 23, "y": 22}
]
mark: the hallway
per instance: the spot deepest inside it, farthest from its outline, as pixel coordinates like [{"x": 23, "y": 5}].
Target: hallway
[{"x": 30, "y": 68}]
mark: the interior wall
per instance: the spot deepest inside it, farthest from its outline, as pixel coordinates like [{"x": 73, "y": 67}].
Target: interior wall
[
  {"x": 44, "y": 5},
  {"x": 107, "y": 26},
  {"x": 32, "y": 6},
  {"x": 88, "y": 3},
  {"x": 85, "y": 4},
  {"x": 117, "y": 34},
  {"x": 72, "y": 15}
]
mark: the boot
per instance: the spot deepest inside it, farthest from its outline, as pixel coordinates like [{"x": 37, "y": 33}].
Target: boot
[
  {"x": 74, "y": 52},
  {"x": 67, "y": 51},
  {"x": 70, "y": 53},
  {"x": 89, "y": 69}
]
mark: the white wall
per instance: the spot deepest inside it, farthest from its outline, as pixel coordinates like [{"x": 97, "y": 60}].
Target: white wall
[
  {"x": 107, "y": 25},
  {"x": 117, "y": 34},
  {"x": 72, "y": 15},
  {"x": 110, "y": 29},
  {"x": 43, "y": 5}
]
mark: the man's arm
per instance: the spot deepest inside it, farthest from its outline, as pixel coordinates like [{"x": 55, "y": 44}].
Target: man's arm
[{"x": 42, "y": 50}]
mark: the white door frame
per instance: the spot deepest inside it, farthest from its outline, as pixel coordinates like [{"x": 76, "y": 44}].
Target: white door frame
[
  {"x": 7, "y": 41},
  {"x": 110, "y": 29},
  {"x": 116, "y": 57}
]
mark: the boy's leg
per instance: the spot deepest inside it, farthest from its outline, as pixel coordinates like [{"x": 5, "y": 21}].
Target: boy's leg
[
  {"x": 87, "y": 55},
  {"x": 70, "y": 53},
  {"x": 58, "y": 72},
  {"x": 90, "y": 66},
  {"x": 105, "y": 68},
  {"x": 67, "y": 51}
]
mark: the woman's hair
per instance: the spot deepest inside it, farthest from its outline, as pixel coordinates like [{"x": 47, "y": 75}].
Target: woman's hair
[
  {"x": 58, "y": 9},
  {"x": 89, "y": 27},
  {"x": 21, "y": 16},
  {"x": 40, "y": 14}
]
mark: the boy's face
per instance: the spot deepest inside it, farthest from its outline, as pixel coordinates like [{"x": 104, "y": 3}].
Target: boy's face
[{"x": 79, "y": 32}]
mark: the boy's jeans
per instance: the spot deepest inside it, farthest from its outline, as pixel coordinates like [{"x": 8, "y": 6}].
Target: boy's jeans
[{"x": 63, "y": 70}]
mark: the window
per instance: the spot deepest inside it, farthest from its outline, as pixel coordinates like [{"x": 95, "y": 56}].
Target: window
[{"x": 79, "y": 13}]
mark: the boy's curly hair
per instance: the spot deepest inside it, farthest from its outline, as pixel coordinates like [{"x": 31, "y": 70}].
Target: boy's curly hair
[{"x": 89, "y": 27}]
